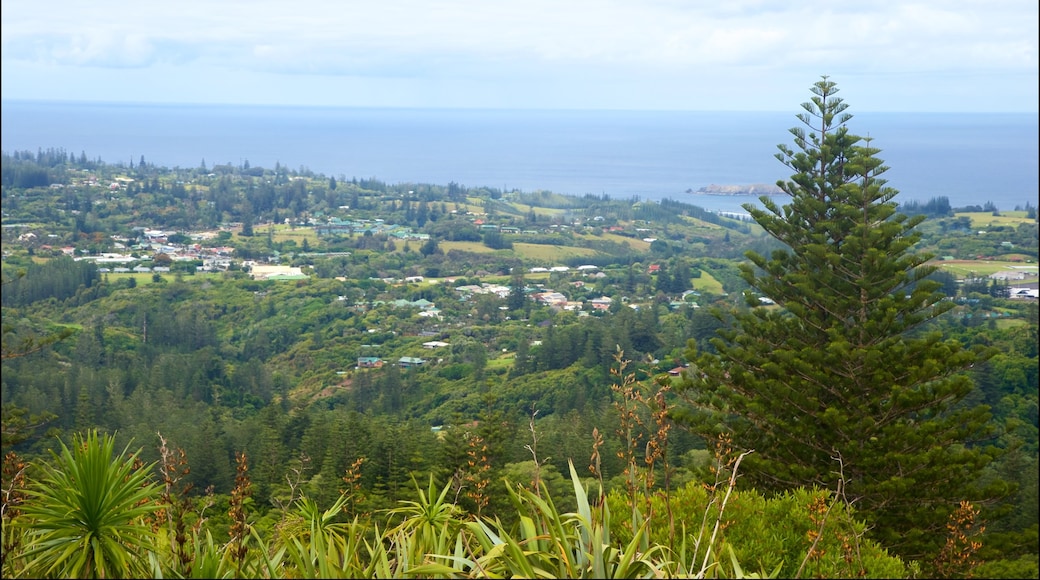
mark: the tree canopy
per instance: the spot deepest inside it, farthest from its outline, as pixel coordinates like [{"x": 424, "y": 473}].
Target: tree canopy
[{"x": 838, "y": 384}]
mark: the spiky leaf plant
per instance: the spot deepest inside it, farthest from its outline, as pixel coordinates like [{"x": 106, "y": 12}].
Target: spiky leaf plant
[{"x": 85, "y": 515}]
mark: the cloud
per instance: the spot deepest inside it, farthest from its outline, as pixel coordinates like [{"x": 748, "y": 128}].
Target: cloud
[
  {"x": 631, "y": 32},
  {"x": 538, "y": 41},
  {"x": 92, "y": 49}
]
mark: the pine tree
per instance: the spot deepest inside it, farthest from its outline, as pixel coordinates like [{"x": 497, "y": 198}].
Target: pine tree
[
  {"x": 842, "y": 378},
  {"x": 517, "y": 297}
]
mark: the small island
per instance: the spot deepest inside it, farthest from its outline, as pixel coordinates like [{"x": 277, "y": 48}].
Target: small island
[{"x": 752, "y": 189}]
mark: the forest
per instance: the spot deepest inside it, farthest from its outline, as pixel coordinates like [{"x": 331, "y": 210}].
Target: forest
[{"x": 236, "y": 371}]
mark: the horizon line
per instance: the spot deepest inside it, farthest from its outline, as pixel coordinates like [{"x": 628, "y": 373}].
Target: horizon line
[{"x": 138, "y": 104}]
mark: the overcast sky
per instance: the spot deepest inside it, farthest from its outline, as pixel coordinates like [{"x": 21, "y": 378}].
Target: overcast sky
[{"x": 755, "y": 55}]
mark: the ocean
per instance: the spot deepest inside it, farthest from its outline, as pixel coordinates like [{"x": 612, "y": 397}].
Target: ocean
[{"x": 970, "y": 158}]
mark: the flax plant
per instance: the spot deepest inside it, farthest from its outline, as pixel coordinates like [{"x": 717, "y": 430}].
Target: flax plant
[
  {"x": 546, "y": 543},
  {"x": 239, "y": 530},
  {"x": 630, "y": 429},
  {"x": 175, "y": 503},
  {"x": 13, "y": 494},
  {"x": 321, "y": 547},
  {"x": 644, "y": 425}
]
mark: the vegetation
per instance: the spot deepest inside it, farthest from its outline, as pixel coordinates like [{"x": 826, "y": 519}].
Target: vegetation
[
  {"x": 85, "y": 515},
  {"x": 96, "y": 514},
  {"x": 418, "y": 389},
  {"x": 846, "y": 351}
]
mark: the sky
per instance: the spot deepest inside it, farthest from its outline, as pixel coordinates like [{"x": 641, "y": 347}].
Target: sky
[{"x": 699, "y": 55}]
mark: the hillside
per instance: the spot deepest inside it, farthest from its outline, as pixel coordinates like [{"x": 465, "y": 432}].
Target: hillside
[{"x": 317, "y": 325}]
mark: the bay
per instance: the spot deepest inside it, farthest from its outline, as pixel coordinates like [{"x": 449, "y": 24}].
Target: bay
[{"x": 969, "y": 158}]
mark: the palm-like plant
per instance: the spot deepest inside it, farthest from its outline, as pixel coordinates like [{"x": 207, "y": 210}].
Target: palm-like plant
[
  {"x": 85, "y": 516},
  {"x": 429, "y": 526}
]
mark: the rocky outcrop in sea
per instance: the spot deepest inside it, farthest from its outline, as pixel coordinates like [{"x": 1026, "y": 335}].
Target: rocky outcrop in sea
[{"x": 751, "y": 189}]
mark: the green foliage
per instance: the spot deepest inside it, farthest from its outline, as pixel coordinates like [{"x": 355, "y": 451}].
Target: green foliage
[
  {"x": 222, "y": 363},
  {"x": 60, "y": 278},
  {"x": 1023, "y": 567},
  {"x": 546, "y": 543},
  {"x": 85, "y": 517},
  {"x": 841, "y": 378},
  {"x": 17, "y": 425},
  {"x": 767, "y": 533},
  {"x": 74, "y": 528}
]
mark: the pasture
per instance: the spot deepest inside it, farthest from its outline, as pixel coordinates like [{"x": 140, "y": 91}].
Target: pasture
[
  {"x": 707, "y": 283},
  {"x": 982, "y": 219},
  {"x": 144, "y": 278},
  {"x": 636, "y": 244},
  {"x": 967, "y": 268}
]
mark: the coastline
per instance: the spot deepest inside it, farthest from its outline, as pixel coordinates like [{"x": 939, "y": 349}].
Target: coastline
[{"x": 621, "y": 155}]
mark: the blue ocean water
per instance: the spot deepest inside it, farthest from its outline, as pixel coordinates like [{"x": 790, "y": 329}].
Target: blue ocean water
[{"x": 969, "y": 158}]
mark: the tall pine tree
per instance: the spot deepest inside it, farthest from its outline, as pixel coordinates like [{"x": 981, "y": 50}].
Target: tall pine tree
[{"x": 843, "y": 378}]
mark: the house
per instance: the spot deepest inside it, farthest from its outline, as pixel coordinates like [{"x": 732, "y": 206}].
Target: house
[
  {"x": 1010, "y": 275},
  {"x": 1025, "y": 294},
  {"x": 265, "y": 272},
  {"x": 601, "y": 303},
  {"x": 216, "y": 264},
  {"x": 550, "y": 298},
  {"x": 410, "y": 361},
  {"x": 369, "y": 362}
]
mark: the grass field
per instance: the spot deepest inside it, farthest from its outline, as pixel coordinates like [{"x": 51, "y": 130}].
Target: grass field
[
  {"x": 474, "y": 206},
  {"x": 284, "y": 233},
  {"x": 707, "y": 283},
  {"x": 546, "y": 212},
  {"x": 634, "y": 243},
  {"x": 965, "y": 268},
  {"x": 549, "y": 255},
  {"x": 1005, "y": 323},
  {"x": 982, "y": 219},
  {"x": 540, "y": 253},
  {"x": 144, "y": 279},
  {"x": 501, "y": 361},
  {"x": 699, "y": 223},
  {"x": 475, "y": 247}
]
